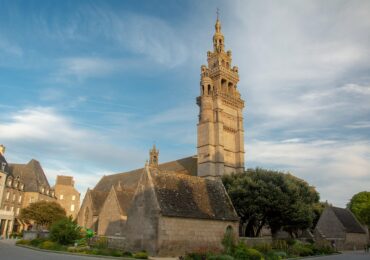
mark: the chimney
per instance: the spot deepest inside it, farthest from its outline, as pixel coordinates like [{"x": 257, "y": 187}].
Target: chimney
[{"x": 2, "y": 149}]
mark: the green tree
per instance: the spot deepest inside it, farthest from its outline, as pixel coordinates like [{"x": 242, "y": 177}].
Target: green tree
[
  {"x": 65, "y": 231},
  {"x": 360, "y": 207},
  {"x": 43, "y": 213},
  {"x": 265, "y": 197}
]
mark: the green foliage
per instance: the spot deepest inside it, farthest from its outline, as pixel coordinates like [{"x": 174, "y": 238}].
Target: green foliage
[
  {"x": 322, "y": 250},
  {"x": 37, "y": 241},
  {"x": 280, "y": 245},
  {"x": 65, "y": 231},
  {"x": 300, "y": 249},
  {"x": 220, "y": 257},
  {"x": 50, "y": 245},
  {"x": 196, "y": 256},
  {"x": 23, "y": 242},
  {"x": 360, "y": 207},
  {"x": 264, "y": 197},
  {"x": 263, "y": 248},
  {"x": 228, "y": 242},
  {"x": 242, "y": 252},
  {"x": 141, "y": 255},
  {"x": 43, "y": 213},
  {"x": 127, "y": 254},
  {"x": 276, "y": 255}
]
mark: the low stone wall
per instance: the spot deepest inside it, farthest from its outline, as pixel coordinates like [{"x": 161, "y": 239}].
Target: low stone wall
[
  {"x": 254, "y": 241},
  {"x": 111, "y": 242},
  {"x": 32, "y": 234}
]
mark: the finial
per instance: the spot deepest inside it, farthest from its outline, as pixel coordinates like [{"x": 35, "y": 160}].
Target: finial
[{"x": 218, "y": 13}]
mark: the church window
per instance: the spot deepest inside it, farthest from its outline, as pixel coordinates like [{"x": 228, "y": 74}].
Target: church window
[
  {"x": 86, "y": 216},
  {"x": 202, "y": 89},
  {"x": 209, "y": 89}
]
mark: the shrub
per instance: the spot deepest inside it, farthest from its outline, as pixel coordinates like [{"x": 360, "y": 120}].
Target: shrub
[
  {"x": 220, "y": 257},
  {"x": 37, "y": 241},
  {"x": 276, "y": 255},
  {"x": 73, "y": 249},
  {"x": 141, "y": 255},
  {"x": 23, "y": 242},
  {"x": 242, "y": 252},
  {"x": 127, "y": 254},
  {"x": 228, "y": 241},
  {"x": 50, "y": 245},
  {"x": 65, "y": 231},
  {"x": 264, "y": 248},
  {"x": 299, "y": 249},
  {"x": 322, "y": 250},
  {"x": 280, "y": 245}
]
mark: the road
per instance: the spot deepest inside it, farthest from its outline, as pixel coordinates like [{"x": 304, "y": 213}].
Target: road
[
  {"x": 9, "y": 251},
  {"x": 357, "y": 255}
]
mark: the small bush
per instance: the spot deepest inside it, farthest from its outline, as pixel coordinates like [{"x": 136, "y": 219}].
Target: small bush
[
  {"x": 299, "y": 249},
  {"x": 228, "y": 241},
  {"x": 37, "y": 241},
  {"x": 280, "y": 245},
  {"x": 264, "y": 248},
  {"x": 141, "y": 255},
  {"x": 220, "y": 257},
  {"x": 127, "y": 254},
  {"x": 65, "y": 231},
  {"x": 276, "y": 255},
  {"x": 50, "y": 245},
  {"x": 23, "y": 242},
  {"x": 82, "y": 249},
  {"x": 322, "y": 250},
  {"x": 242, "y": 252}
]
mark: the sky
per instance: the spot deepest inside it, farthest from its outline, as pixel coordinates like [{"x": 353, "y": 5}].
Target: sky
[{"x": 87, "y": 87}]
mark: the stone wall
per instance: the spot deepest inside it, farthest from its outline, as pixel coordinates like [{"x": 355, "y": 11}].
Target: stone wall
[
  {"x": 254, "y": 241},
  {"x": 355, "y": 241},
  {"x": 176, "y": 236},
  {"x": 69, "y": 198},
  {"x": 111, "y": 221}
]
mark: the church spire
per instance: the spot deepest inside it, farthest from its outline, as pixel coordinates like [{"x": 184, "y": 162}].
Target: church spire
[
  {"x": 154, "y": 153},
  {"x": 218, "y": 37}
]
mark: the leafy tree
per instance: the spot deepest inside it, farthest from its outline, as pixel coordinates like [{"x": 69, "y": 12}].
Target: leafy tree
[
  {"x": 65, "y": 231},
  {"x": 43, "y": 213},
  {"x": 360, "y": 207},
  {"x": 265, "y": 197}
]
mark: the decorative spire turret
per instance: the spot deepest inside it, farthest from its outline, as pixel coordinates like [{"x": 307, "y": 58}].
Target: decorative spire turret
[
  {"x": 218, "y": 37},
  {"x": 154, "y": 153}
]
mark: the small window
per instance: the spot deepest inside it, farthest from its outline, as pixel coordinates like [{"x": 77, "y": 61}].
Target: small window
[
  {"x": 73, "y": 197},
  {"x": 61, "y": 196},
  {"x": 19, "y": 198},
  {"x": 14, "y": 197},
  {"x": 72, "y": 207},
  {"x": 7, "y": 195},
  {"x": 12, "y": 209},
  {"x": 18, "y": 211}
]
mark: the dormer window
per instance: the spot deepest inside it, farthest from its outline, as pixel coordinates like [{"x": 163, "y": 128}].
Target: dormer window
[{"x": 10, "y": 182}]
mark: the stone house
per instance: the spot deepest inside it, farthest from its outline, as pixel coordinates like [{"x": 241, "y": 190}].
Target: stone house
[
  {"x": 339, "y": 227},
  {"x": 24, "y": 184},
  {"x": 173, "y": 213},
  {"x": 67, "y": 195}
]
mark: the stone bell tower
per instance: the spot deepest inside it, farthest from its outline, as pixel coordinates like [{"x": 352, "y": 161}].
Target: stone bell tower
[
  {"x": 220, "y": 127},
  {"x": 153, "y": 157}
]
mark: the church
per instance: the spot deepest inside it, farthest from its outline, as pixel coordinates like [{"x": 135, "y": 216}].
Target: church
[{"x": 180, "y": 206}]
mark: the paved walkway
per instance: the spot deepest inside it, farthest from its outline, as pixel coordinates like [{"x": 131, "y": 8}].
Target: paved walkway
[{"x": 9, "y": 251}]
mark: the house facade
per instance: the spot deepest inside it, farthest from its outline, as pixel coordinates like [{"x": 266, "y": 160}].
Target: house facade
[{"x": 339, "y": 228}]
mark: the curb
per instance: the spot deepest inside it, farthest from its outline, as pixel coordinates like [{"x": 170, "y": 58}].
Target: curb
[
  {"x": 311, "y": 256},
  {"x": 70, "y": 253}
]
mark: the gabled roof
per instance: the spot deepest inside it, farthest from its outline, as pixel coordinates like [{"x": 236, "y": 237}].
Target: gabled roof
[
  {"x": 348, "y": 220},
  {"x": 181, "y": 195},
  {"x": 130, "y": 179},
  {"x": 97, "y": 198},
  {"x": 31, "y": 174}
]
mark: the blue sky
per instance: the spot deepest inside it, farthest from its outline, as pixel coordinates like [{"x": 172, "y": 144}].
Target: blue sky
[{"x": 88, "y": 86}]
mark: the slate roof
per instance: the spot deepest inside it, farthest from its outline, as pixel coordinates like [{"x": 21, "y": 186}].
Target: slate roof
[
  {"x": 348, "y": 220},
  {"x": 181, "y": 195},
  {"x": 98, "y": 198},
  {"x": 31, "y": 174},
  {"x": 130, "y": 179}
]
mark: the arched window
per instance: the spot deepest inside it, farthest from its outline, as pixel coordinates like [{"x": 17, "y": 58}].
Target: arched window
[
  {"x": 86, "y": 217},
  {"x": 209, "y": 89},
  {"x": 202, "y": 89}
]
